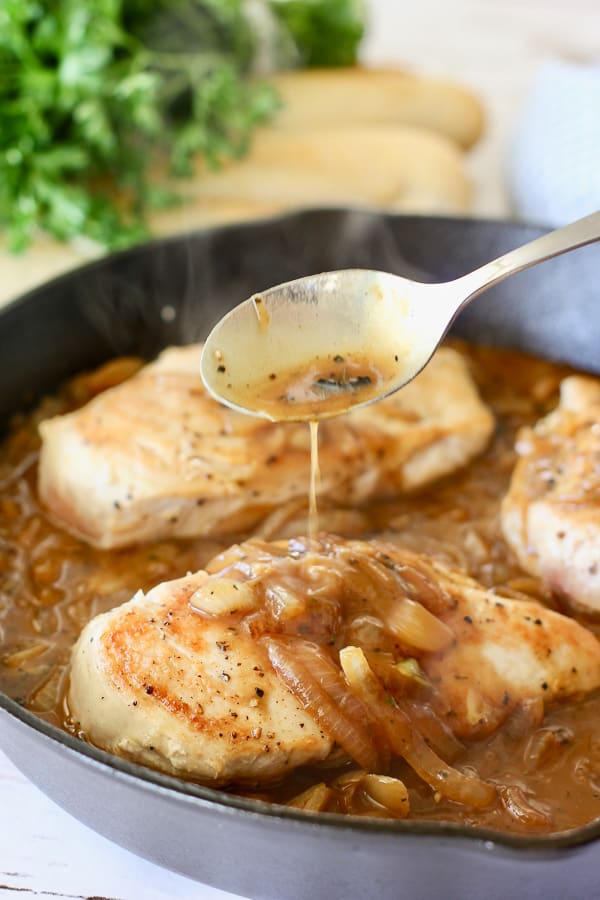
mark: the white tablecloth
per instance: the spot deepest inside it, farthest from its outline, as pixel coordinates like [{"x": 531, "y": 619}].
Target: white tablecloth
[{"x": 493, "y": 47}]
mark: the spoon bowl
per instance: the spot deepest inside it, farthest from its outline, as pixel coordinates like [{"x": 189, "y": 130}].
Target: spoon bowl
[{"x": 321, "y": 345}]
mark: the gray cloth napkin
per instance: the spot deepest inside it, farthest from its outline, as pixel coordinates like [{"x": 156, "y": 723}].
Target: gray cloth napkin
[{"x": 554, "y": 163}]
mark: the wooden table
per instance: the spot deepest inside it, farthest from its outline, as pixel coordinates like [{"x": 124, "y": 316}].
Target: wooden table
[{"x": 493, "y": 47}]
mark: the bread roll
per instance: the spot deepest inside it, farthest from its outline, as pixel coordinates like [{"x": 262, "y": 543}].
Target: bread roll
[
  {"x": 336, "y": 97},
  {"x": 385, "y": 167}
]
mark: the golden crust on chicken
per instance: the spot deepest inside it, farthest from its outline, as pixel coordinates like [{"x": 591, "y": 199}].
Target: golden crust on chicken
[
  {"x": 280, "y": 652},
  {"x": 157, "y": 457}
]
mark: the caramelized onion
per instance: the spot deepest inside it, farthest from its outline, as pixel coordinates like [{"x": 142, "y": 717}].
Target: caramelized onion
[
  {"x": 223, "y": 597},
  {"x": 322, "y": 693},
  {"x": 283, "y": 602},
  {"x": 366, "y": 631},
  {"x": 406, "y": 619},
  {"x": 331, "y": 679},
  {"x": 390, "y": 793},
  {"x": 314, "y": 799},
  {"x": 528, "y": 812},
  {"x": 22, "y": 657},
  {"x": 406, "y": 741},
  {"x": 421, "y": 587},
  {"x": 434, "y": 730},
  {"x": 416, "y": 626}
]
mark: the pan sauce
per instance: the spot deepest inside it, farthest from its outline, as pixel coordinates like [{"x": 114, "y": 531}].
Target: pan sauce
[
  {"x": 51, "y": 584},
  {"x": 317, "y": 390}
]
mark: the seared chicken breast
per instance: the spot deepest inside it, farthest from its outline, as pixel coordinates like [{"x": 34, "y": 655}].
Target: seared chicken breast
[
  {"x": 551, "y": 513},
  {"x": 505, "y": 653},
  {"x": 158, "y": 457},
  {"x": 234, "y": 674},
  {"x": 157, "y": 682}
]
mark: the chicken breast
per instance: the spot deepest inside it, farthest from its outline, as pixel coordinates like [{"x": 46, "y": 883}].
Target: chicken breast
[
  {"x": 551, "y": 513},
  {"x": 227, "y": 675},
  {"x": 506, "y": 653},
  {"x": 157, "y": 457},
  {"x": 161, "y": 684}
]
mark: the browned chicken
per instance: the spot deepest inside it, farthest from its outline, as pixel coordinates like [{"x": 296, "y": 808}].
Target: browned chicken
[
  {"x": 194, "y": 695},
  {"x": 234, "y": 674},
  {"x": 551, "y": 513},
  {"x": 157, "y": 457}
]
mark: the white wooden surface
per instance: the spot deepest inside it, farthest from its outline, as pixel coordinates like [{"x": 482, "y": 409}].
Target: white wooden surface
[
  {"x": 46, "y": 853},
  {"x": 493, "y": 46}
]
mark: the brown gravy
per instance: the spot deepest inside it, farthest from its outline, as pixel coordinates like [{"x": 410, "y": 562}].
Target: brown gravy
[
  {"x": 51, "y": 584},
  {"x": 319, "y": 389}
]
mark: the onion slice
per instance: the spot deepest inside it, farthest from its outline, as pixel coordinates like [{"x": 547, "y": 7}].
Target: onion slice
[
  {"x": 390, "y": 793},
  {"x": 434, "y": 730},
  {"x": 322, "y": 693},
  {"x": 314, "y": 799},
  {"x": 404, "y": 618},
  {"x": 406, "y": 741}
]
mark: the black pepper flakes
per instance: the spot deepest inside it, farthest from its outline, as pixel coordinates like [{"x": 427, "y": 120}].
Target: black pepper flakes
[{"x": 259, "y": 692}]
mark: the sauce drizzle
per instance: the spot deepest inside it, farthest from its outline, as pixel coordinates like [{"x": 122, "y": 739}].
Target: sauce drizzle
[{"x": 315, "y": 477}]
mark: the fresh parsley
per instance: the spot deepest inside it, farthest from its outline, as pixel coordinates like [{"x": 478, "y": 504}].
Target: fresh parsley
[{"x": 98, "y": 98}]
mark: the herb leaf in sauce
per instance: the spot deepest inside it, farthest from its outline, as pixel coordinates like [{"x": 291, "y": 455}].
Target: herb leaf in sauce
[{"x": 337, "y": 385}]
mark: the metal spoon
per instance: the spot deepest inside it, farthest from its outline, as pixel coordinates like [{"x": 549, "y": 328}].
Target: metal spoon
[{"x": 321, "y": 345}]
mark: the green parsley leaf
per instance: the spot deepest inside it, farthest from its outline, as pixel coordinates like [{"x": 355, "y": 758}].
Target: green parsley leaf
[{"x": 95, "y": 98}]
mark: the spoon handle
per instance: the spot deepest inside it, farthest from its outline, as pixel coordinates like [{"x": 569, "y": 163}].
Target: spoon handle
[{"x": 577, "y": 234}]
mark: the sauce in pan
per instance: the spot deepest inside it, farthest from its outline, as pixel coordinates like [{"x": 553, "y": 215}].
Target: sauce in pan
[{"x": 51, "y": 584}]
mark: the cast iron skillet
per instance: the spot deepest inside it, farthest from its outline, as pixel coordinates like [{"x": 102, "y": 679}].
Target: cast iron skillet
[{"x": 172, "y": 292}]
